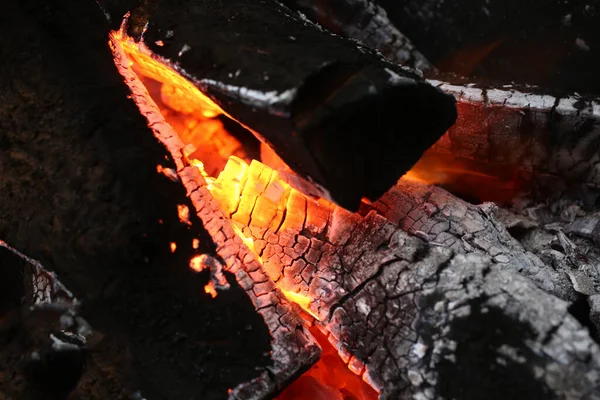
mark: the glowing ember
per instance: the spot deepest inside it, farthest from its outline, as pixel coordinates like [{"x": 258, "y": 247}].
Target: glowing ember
[
  {"x": 328, "y": 379},
  {"x": 184, "y": 214},
  {"x": 168, "y": 172},
  {"x": 173, "y": 246},
  {"x": 210, "y": 289},
  {"x": 300, "y": 299},
  {"x": 198, "y": 263},
  {"x": 468, "y": 178},
  {"x": 195, "y": 243}
]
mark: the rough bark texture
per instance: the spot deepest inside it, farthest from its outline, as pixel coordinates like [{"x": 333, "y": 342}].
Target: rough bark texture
[
  {"x": 366, "y": 21},
  {"x": 525, "y": 134},
  {"x": 462, "y": 327},
  {"x": 404, "y": 314},
  {"x": 308, "y": 94}
]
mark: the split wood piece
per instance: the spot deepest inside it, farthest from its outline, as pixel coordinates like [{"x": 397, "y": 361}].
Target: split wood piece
[
  {"x": 396, "y": 306},
  {"x": 339, "y": 114},
  {"x": 44, "y": 342},
  {"x": 366, "y": 21},
  {"x": 534, "y": 136},
  {"x": 293, "y": 349},
  {"x": 443, "y": 219}
]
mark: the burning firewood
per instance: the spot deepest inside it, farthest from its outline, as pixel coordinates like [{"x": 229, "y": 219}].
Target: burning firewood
[
  {"x": 322, "y": 256},
  {"x": 332, "y": 118},
  {"x": 520, "y": 135},
  {"x": 413, "y": 316}
]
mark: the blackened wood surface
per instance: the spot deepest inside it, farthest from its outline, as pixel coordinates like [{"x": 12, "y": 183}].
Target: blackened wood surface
[
  {"x": 332, "y": 109},
  {"x": 542, "y": 42},
  {"x": 366, "y": 21},
  {"x": 79, "y": 191}
]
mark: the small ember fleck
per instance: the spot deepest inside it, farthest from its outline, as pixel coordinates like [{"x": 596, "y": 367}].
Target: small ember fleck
[
  {"x": 198, "y": 263},
  {"x": 209, "y": 288},
  {"x": 173, "y": 247},
  {"x": 184, "y": 213},
  {"x": 168, "y": 172},
  {"x": 160, "y": 43},
  {"x": 195, "y": 243}
]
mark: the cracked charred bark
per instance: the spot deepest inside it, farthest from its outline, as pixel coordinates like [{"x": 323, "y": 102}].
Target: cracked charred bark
[
  {"x": 407, "y": 314},
  {"x": 550, "y": 140}
]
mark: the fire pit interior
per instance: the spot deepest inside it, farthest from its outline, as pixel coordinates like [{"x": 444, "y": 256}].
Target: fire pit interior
[{"x": 212, "y": 199}]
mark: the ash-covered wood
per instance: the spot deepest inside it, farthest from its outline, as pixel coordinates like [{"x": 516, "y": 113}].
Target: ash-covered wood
[
  {"x": 440, "y": 218},
  {"x": 534, "y": 138},
  {"x": 459, "y": 326},
  {"x": 337, "y": 113},
  {"x": 366, "y": 21},
  {"x": 414, "y": 317}
]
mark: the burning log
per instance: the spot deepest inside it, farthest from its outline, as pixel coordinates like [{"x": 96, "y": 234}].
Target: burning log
[
  {"x": 363, "y": 277},
  {"x": 507, "y": 138},
  {"x": 326, "y": 257},
  {"x": 333, "y": 118},
  {"x": 366, "y": 21},
  {"x": 521, "y": 137},
  {"x": 320, "y": 256}
]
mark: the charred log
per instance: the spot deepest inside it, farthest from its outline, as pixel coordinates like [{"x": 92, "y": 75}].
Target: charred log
[
  {"x": 366, "y": 21},
  {"x": 447, "y": 317},
  {"x": 387, "y": 299},
  {"x": 520, "y": 138},
  {"x": 556, "y": 48},
  {"x": 333, "y": 117}
]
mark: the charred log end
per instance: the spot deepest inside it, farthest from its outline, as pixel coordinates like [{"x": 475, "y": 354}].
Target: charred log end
[{"x": 366, "y": 133}]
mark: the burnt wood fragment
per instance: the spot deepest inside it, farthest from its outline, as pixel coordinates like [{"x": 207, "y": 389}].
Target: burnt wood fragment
[
  {"x": 336, "y": 112},
  {"x": 539, "y": 138},
  {"x": 366, "y": 21}
]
